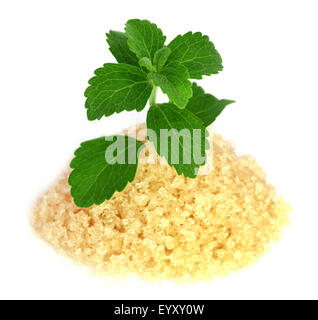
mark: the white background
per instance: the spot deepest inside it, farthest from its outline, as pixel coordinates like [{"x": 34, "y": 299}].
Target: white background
[{"x": 48, "y": 51}]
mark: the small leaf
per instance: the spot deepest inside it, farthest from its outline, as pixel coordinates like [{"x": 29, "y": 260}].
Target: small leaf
[
  {"x": 93, "y": 179},
  {"x": 173, "y": 80},
  {"x": 146, "y": 63},
  {"x": 197, "y": 53},
  {"x": 185, "y": 154},
  {"x": 115, "y": 88},
  {"x": 205, "y": 106},
  {"x": 161, "y": 57},
  {"x": 118, "y": 46},
  {"x": 144, "y": 38}
]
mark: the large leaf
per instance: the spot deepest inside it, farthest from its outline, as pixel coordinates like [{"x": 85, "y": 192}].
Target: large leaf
[
  {"x": 94, "y": 179},
  {"x": 144, "y": 38},
  {"x": 197, "y": 53},
  {"x": 115, "y": 88},
  {"x": 187, "y": 137}
]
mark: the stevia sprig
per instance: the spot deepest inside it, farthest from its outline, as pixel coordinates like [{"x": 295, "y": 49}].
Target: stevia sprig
[{"x": 145, "y": 64}]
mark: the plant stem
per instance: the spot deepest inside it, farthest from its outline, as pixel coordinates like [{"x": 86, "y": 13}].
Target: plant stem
[{"x": 153, "y": 95}]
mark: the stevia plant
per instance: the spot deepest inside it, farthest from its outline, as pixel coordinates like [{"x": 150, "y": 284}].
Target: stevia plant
[{"x": 144, "y": 64}]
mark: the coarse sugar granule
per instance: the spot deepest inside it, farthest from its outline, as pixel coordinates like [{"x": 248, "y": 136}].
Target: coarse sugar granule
[{"x": 165, "y": 226}]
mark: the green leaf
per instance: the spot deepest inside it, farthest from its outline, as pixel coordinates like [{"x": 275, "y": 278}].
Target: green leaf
[
  {"x": 161, "y": 57},
  {"x": 115, "y": 88},
  {"x": 189, "y": 150},
  {"x": 144, "y": 38},
  {"x": 197, "y": 53},
  {"x": 93, "y": 179},
  {"x": 118, "y": 46},
  {"x": 173, "y": 80},
  {"x": 146, "y": 63},
  {"x": 205, "y": 106}
]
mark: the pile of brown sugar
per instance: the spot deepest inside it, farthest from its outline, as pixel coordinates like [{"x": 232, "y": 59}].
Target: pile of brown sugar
[{"x": 167, "y": 226}]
